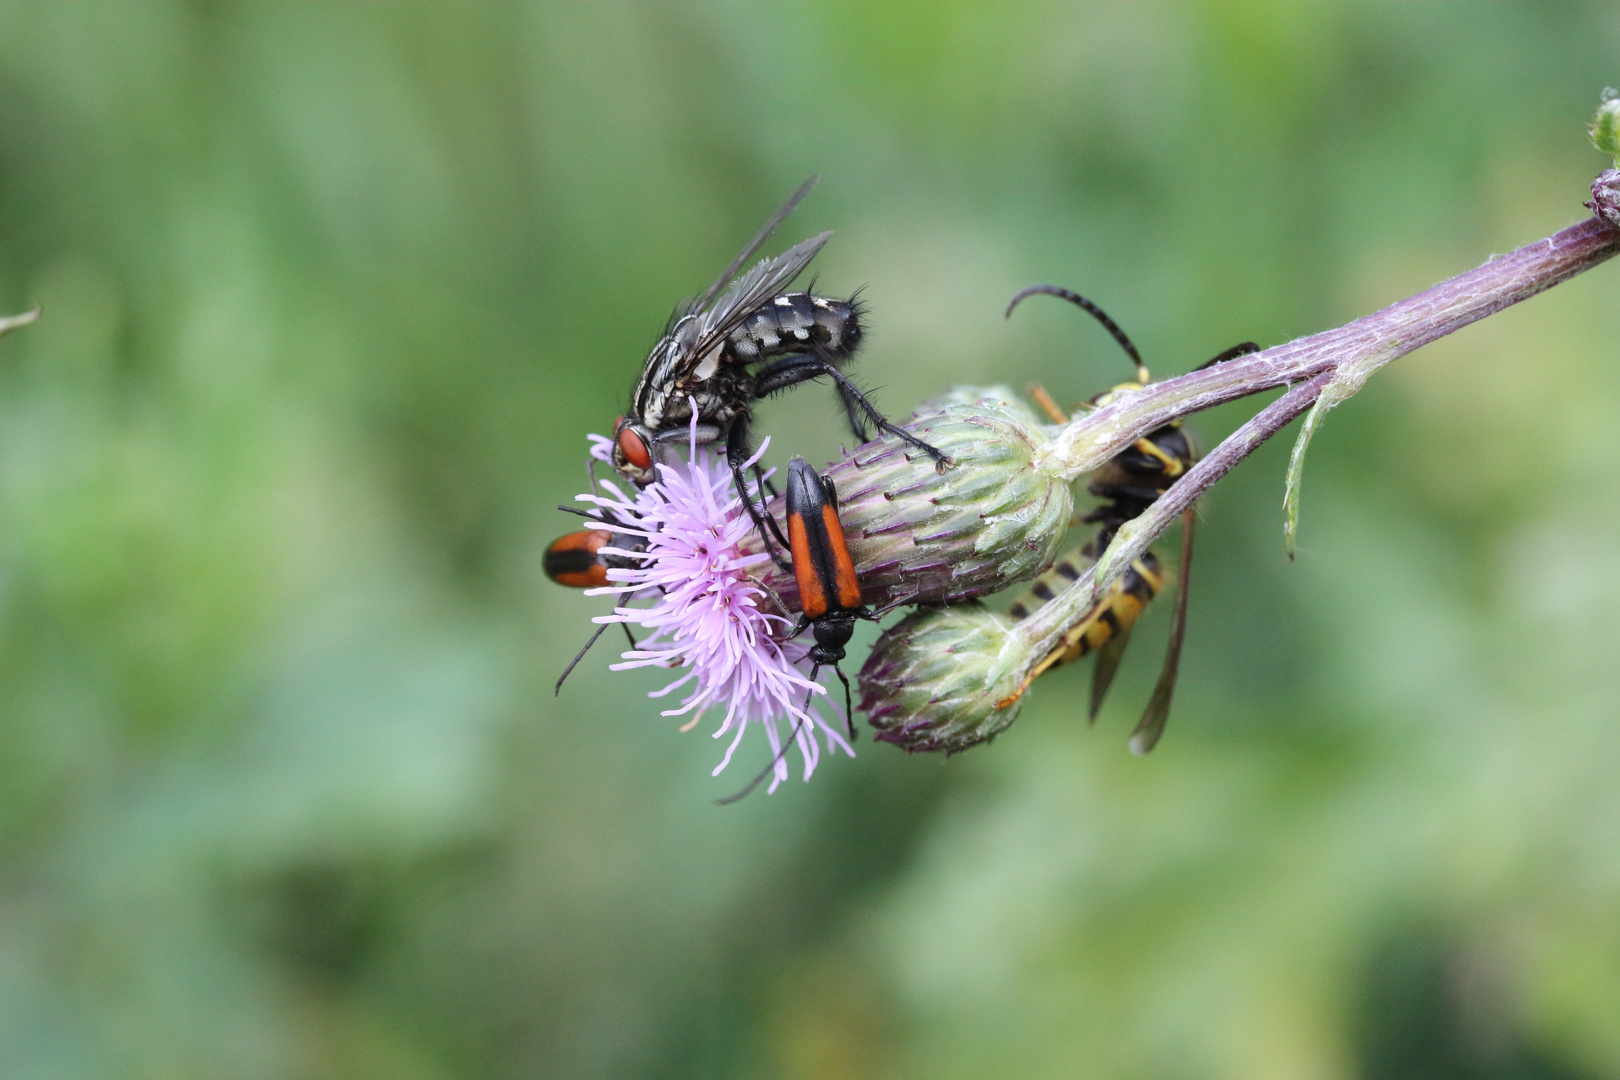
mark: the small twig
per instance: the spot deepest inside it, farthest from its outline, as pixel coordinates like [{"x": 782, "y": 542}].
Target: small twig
[
  {"x": 1336, "y": 364},
  {"x": 1362, "y": 346}
]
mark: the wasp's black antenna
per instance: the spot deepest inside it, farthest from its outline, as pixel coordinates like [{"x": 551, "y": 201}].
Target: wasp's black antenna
[
  {"x": 1091, "y": 309},
  {"x": 793, "y": 738}
]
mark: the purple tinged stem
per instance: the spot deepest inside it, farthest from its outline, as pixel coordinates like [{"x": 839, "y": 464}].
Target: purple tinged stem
[
  {"x": 1320, "y": 371},
  {"x": 1310, "y": 365},
  {"x": 1136, "y": 535},
  {"x": 1377, "y": 338}
]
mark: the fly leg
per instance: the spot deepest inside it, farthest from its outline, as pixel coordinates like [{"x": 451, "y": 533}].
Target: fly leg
[
  {"x": 793, "y": 370},
  {"x": 736, "y": 454}
]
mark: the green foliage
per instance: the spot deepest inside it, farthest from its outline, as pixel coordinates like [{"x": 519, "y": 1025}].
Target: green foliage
[{"x": 332, "y": 294}]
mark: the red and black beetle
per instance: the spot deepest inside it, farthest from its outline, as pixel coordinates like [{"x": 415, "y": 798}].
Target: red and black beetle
[
  {"x": 577, "y": 561},
  {"x": 829, "y": 593},
  {"x": 572, "y": 560}
]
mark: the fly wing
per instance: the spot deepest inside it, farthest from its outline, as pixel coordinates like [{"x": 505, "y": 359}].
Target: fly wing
[
  {"x": 744, "y": 296},
  {"x": 683, "y": 350},
  {"x": 1151, "y": 726},
  {"x": 752, "y": 246}
]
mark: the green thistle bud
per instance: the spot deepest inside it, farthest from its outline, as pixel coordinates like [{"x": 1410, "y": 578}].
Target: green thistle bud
[
  {"x": 934, "y": 679},
  {"x": 1606, "y": 125},
  {"x": 918, "y": 534}
]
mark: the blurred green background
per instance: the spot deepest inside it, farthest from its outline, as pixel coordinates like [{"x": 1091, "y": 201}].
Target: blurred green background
[{"x": 333, "y": 293}]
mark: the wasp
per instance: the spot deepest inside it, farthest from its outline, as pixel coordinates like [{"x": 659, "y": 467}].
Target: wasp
[
  {"x": 1128, "y": 483},
  {"x": 829, "y": 592},
  {"x": 742, "y": 340}
]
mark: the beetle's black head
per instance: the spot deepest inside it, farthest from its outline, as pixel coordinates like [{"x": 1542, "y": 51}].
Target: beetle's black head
[{"x": 833, "y": 632}]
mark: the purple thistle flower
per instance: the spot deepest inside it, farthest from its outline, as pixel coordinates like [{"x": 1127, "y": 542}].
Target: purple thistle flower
[{"x": 706, "y": 613}]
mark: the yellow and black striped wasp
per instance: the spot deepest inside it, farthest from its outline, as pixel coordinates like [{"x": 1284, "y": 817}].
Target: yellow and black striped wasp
[{"x": 1128, "y": 483}]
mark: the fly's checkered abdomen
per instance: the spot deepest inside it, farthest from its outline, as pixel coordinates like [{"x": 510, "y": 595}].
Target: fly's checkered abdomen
[{"x": 797, "y": 323}]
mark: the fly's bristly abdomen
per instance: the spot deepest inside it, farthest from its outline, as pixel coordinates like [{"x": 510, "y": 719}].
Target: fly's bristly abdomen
[{"x": 797, "y": 323}]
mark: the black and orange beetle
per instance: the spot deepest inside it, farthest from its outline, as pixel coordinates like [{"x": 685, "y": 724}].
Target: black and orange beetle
[
  {"x": 573, "y": 560},
  {"x": 577, "y": 561},
  {"x": 829, "y": 592}
]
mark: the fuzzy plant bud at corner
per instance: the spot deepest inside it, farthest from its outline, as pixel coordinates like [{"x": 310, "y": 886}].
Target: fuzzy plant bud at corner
[
  {"x": 1606, "y": 125},
  {"x": 933, "y": 680},
  {"x": 929, "y": 536}
]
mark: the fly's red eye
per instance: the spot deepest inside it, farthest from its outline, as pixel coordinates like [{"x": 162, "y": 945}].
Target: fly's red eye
[{"x": 633, "y": 449}]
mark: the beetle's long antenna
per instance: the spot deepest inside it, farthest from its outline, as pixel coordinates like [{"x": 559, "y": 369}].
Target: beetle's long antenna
[{"x": 793, "y": 737}]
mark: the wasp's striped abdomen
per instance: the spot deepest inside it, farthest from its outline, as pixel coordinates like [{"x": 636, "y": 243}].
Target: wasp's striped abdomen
[
  {"x": 797, "y": 323},
  {"x": 1114, "y": 613}
]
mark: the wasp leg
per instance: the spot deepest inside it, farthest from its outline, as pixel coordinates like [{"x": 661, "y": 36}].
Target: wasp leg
[
  {"x": 793, "y": 370},
  {"x": 1048, "y": 406},
  {"x": 736, "y": 454}
]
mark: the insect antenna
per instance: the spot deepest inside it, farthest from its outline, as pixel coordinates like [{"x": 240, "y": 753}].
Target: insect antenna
[
  {"x": 793, "y": 738},
  {"x": 600, "y": 630},
  {"x": 1091, "y": 309},
  {"x": 1240, "y": 349},
  {"x": 849, "y": 706}
]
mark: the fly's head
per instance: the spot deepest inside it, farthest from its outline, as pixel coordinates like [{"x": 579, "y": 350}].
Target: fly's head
[{"x": 633, "y": 452}]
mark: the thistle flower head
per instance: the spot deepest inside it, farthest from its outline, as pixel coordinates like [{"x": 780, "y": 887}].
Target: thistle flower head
[
  {"x": 697, "y": 578},
  {"x": 708, "y": 614},
  {"x": 935, "y": 679},
  {"x": 994, "y": 519}
]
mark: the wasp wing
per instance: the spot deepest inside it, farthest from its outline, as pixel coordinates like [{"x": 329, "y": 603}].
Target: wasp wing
[
  {"x": 1151, "y": 726},
  {"x": 752, "y": 246},
  {"x": 1102, "y": 676}
]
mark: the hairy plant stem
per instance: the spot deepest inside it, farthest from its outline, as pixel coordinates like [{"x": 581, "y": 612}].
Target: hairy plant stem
[
  {"x": 1324, "y": 369},
  {"x": 1355, "y": 350}
]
